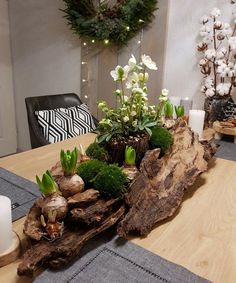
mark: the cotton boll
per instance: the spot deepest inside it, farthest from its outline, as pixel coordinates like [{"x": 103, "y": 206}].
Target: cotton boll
[
  {"x": 210, "y": 92},
  {"x": 210, "y": 54},
  {"x": 215, "y": 13},
  {"x": 204, "y": 19},
  {"x": 204, "y": 30}
]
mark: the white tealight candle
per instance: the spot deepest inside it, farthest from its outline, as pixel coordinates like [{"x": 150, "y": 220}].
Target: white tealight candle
[
  {"x": 175, "y": 100},
  {"x": 187, "y": 103},
  {"x": 196, "y": 121},
  {"x": 5, "y": 224}
]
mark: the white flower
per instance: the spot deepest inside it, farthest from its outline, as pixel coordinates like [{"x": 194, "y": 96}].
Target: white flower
[
  {"x": 143, "y": 77},
  {"x": 132, "y": 62},
  {"x": 126, "y": 119},
  {"x": 210, "y": 92},
  {"x": 215, "y": 13},
  {"x": 118, "y": 92},
  {"x": 147, "y": 61},
  {"x": 101, "y": 104},
  {"x": 232, "y": 42},
  {"x": 145, "y": 108},
  {"x": 132, "y": 80},
  {"x": 221, "y": 53},
  {"x": 209, "y": 82},
  {"x": 223, "y": 88},
  {"x": 138, "y": 90},
  {"x": 204, "y": 30},
  {"x": 210, "y": 54},
  {"x": 126, "y": 98},
  {"x": 120, "y": 74},
  {"x": 165, "y": 92},
  {"x": 204, "y": 19},
  {"x": 163, "y": 98},
  {"x": 133, "y": 113}
]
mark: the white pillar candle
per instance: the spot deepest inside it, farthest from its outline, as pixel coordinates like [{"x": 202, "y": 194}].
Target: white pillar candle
[
  {"x": 196, "y": 121},
  {"x": 175, "y": 100},
  {"x": 5, "y": 224},
  {"x": 187, "y": 103}
]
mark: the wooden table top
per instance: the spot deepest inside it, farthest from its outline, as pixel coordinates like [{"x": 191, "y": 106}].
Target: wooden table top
[{"x": 201, "y": 236}]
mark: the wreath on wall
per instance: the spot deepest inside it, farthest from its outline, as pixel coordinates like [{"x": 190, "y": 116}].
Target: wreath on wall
[{"x": 109, "y": 23}]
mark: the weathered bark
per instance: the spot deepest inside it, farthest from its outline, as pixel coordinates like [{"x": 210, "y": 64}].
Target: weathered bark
[
  {"x": 158, "y": 190},
  {"x": 59, "y": 253},
  {"x": 32, "y": 225},
  {"x": 95, "y": 212},
  {"x": 84, "y": 198}
]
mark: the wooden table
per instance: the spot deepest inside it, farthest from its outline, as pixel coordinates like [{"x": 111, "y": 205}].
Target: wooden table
[{"x": 201, "y": 236}]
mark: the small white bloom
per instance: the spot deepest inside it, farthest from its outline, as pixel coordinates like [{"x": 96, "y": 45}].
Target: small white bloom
[
  {"x": 215, "y": 13},
  {"x": 133, "y": 113},
  {"x": 223, "y": 88},
  {"x": 132, "y": 62},
  {"x": 120, "y": 74},
  {"x": 210, "y": 54},
  {"x": 163, "y": 98},
  {"x": 132, "y": 80},
  {"x": 232, "y": 42},
  {"x": 126, "y": 98},
  {"x": 126, "y": 119},
  {"x": 205, "y": 30},
  {"x": 204, "y": 19},
  {"x": 145, "y": 108},
  {"x": 210, "y": 92},
  {"x": 137, "y": 90},
  {"x": 221, "y": 53},
  {"x": 118, "y": 92},
  {"x": 165, "y": 92},
  {"x": 147, "y": 61},
  {"x": 143, "y": 77},
  {"x": 101, "y": 104}
]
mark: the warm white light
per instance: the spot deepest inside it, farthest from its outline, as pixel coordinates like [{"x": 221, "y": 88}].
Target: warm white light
[
  {"x": 93, "y": 41},
  {"x": 85, "y": 96},
  {"x": 83, "y": 80},
  {"x": 84, "y": 43},
  {"x": 128, "y": 28},
  {"x": 83, "y": 63},
  {"x": 106, "y": 41},
  {"x": 141, "y": 21},
  {"x": 139, "y": 42}
]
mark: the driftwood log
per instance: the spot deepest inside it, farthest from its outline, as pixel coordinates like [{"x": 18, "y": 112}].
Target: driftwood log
[
  {"x": 59, "y": 253},
  {"x": 158, "y": 190}
]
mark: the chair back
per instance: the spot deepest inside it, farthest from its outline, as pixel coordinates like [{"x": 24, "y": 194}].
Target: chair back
[{"x": 46, "y": 102}]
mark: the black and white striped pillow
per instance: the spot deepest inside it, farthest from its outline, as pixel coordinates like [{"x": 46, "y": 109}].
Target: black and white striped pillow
[{"x": 64, "y": 123}]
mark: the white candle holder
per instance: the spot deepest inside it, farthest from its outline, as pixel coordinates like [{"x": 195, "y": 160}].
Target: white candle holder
[{"x": 9, "y": 241}]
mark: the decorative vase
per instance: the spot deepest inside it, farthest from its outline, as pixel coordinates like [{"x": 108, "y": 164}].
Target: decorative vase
[
  {"x": 116, "y": 147},
  {"x": 219, "y": 109}
]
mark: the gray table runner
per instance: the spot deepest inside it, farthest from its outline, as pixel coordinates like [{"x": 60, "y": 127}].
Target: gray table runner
[
  {"x": 226, "y": 150},
  {"x": 22, "y": 192},
  {"x": 119, "y": 261}
]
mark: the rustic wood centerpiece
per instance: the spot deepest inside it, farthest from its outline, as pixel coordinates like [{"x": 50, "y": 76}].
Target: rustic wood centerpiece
[{"x": 86, "y": 193}]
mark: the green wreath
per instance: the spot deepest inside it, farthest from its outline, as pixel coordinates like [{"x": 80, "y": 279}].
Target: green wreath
[{"x": 115, "y": 24}]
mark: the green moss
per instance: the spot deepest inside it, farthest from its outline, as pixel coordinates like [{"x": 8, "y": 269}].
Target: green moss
[
  {"x": 161, "y": 138},
  {"x": 96, "y": 151},
  {"x": 111, "y": 181},
  {"x": 88, "y": 170}
]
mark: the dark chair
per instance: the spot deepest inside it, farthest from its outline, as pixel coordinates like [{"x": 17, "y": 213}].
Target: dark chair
[{"x": 47, "y": 102}]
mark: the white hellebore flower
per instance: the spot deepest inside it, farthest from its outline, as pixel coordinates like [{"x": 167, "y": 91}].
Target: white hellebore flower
[
  {"x": 120, "y": 74},
  {"x": 147, "y": 61},
  {"x": 132, "y": 62},
  {"x": 232, "y": 42},
  {"x": 210, "y": 92},
  {"x": 132, "y": 80},
  {"x": 223, "y": 88},
  {"x": 210, "y": 54},
  {"x": 133, "y": 113},
  {"x": 126, "y": 98},
  {"x": 215, "y": 13},
  {"x": 204, "y": 19},
  {"x": 126, "y": 119},
  {"x": 165, "y": 92},
  {"x": 205, "y": 30}
]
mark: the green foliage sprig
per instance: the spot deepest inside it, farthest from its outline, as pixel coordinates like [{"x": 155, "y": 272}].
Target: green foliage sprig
[
  {"x": 168, "y": 110},
  {"x": 111, "y": 181},
  {"x": 179, "y": 111},
  {"x": 47, "y": 185},
  {"x": 69, "y": 161},
  {"x": 130, "y": 156},
  {"x": 111, "y": 25}
]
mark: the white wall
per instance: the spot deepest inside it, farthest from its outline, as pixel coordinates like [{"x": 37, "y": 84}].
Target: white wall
[
  {"x": 182, "y": 76},
  {"x": 46, "y": 56},
  {"x": 7, "y": 111}
]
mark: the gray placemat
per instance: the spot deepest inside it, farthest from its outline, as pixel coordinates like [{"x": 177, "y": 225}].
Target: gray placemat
[
  {"x": 119, "y": 261},
  {"x": 22, "y": 192},
  {"x": 226, "y": 150}
]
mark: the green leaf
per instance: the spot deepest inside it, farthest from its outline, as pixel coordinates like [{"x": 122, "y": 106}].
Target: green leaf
[
  {"x": 168, "y": 109},
  {"x": 179, "y": 110},
  {"x": 130, "y": 155}
]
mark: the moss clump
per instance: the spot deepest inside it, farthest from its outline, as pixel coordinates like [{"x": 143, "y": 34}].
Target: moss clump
[
  {"x": 110, "y": 181},
  {"x": 161, "y": 138},
  {"x": 96, "y": 151},
  {"x": 89, "y": 169}
]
